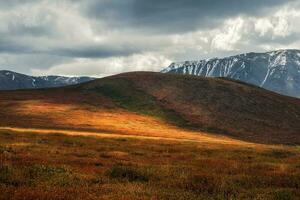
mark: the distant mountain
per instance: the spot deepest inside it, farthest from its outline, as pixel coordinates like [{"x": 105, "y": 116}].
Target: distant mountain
[
  {"x": 12, "y": 81},
  {"x": 278, "y": 71}
]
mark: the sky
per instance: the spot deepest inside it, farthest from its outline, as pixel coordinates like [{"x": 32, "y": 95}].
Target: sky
[{"x": 104, "y": 37}]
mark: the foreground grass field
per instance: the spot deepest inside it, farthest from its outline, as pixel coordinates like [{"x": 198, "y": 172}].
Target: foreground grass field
[
  {"x": 149, "y": 136},
  {"x": 62, "y": 165}
]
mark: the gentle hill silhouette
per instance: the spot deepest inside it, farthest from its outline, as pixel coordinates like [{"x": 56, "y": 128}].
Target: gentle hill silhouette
[{"x": 143, "y": 101}]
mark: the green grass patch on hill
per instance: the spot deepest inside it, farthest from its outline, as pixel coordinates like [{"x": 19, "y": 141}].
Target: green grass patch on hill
[{"x": 126, "y": 95}]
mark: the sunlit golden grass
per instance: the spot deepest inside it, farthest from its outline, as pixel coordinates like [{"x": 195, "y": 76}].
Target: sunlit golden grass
[
  {"x": 63, "y": 116},
  {"x": 59, "y": 166}
]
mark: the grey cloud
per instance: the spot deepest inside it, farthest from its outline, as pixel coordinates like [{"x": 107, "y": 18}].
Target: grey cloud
[
  {"x": 175, "y": 15},
  {"x": 6, "y": 4},
  {"x": 8, "y": 46},
  {"x": 94, "y": 51},
  {"x": 21, "y": 46},
  {"x": 24, "y": 23},
  {"x": 24, "y": 63},
  {"x": 70, "y": 50},
  {"x": 59, "y": 31},
  {"x": 268, "y": 39},
  {"x": 35, "y": 31}
]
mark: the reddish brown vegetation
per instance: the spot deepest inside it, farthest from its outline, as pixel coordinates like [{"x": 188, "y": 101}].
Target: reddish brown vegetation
[
  {"x": 57, "y": 166},
  {"x": 147, "y": 103}
]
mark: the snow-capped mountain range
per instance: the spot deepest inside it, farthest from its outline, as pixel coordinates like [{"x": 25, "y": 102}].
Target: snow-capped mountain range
[
  {"x": 278, "y": 71},
  {"x": 11, "y": 81}
]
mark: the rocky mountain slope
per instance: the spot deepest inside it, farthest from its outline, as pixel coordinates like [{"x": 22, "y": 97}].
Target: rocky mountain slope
[
  {"x": 128, "y": 101},
  {"x": 278, "y": 71},
  {"x": 11, "y": 81}
]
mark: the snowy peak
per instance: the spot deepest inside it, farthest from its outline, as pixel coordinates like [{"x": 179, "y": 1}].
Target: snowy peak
[
  {"x": 11, "y": 81},
  {"x": 278, "y": 71}
]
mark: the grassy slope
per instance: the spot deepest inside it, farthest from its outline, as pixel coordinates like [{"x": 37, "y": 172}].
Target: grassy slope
[
  {"x": 214, "y": 105},
  {"x": 45, "y": 165},
  {"x": 78, "y": 167},
  {"x": 126, "y": 95},
  {"x": 137, "y": 101}
]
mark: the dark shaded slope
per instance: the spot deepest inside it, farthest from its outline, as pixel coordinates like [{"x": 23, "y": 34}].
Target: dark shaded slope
[
  {"x": 211, "y": 104},
  {"x": 127, "y": 95}
]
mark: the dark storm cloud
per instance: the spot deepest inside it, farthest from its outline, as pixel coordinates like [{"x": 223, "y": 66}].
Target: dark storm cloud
[
  {"x": 175, "y": 15},
  {"x": 94, "y": 51},
  {"x": 73, "y": 51},
  {"x": 8, "y": 46},
  {"x": 50, "y": 35}
]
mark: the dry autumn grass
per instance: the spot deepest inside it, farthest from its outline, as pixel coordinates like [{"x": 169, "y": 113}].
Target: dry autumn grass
[
  {"x": 148, "y": 103},
  {"x": 60, "y": 166},
  {"x": 125, "y": 137}
]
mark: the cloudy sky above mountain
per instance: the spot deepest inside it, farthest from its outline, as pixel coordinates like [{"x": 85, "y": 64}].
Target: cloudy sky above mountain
[{"x": 103, "y": 37}]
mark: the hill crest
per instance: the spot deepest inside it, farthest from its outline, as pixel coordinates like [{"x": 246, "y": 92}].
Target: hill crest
[{"x": 219, "y": 106}]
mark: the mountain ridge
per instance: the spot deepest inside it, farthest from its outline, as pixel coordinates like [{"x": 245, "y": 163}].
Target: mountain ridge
[
  {"x": 278, "y": 71},
  {"x": 10, "y": 80}
]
